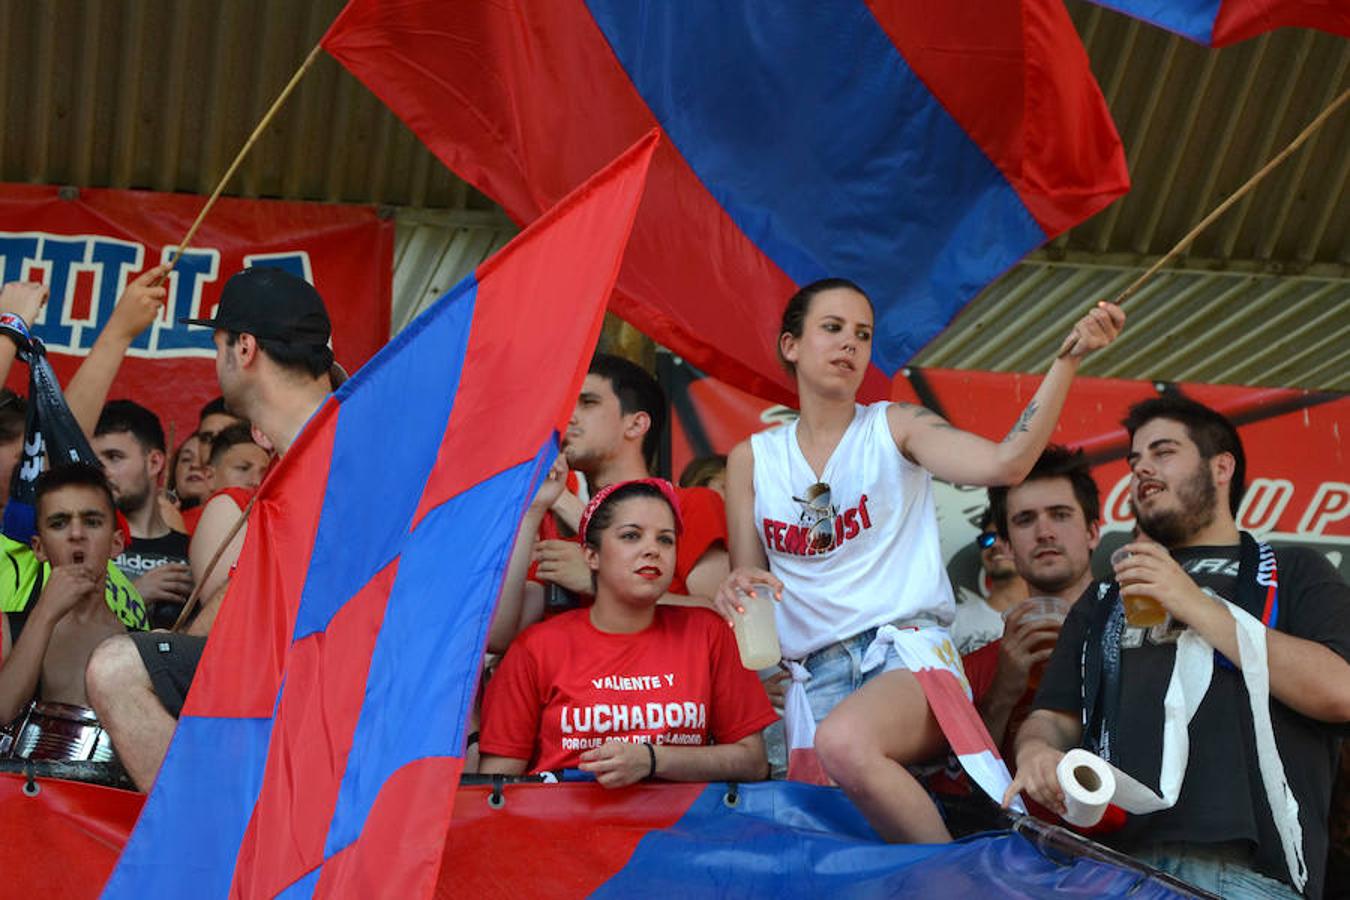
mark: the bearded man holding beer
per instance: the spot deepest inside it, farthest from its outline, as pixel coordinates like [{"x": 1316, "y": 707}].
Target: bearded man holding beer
[{"x": 1105, "y": 686}]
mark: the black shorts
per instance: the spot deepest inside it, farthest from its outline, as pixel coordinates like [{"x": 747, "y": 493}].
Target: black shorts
[{"x": 171, "y": 660}]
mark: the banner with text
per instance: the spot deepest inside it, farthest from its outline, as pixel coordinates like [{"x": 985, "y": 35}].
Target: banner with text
[{"x": 87, "y": 245}]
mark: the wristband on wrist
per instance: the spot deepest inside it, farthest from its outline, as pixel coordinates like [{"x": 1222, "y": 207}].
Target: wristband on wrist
[
  {"x": 13, "y": 325},
  {"x": 651, "y": 751}
]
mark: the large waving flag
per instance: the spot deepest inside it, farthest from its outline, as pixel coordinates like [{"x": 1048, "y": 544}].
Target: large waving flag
[
  {"x": 920, "y": 149},
  {"x": 1217, "y": 23},
  {"x": 321, "y": 746}
]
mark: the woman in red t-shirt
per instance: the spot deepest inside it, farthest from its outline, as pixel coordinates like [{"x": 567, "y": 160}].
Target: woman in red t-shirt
[{"x": 626, "y": 689}]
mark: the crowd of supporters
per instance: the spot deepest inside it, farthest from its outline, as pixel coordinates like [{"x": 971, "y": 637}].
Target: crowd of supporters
[{"x": 609, "y": 650}]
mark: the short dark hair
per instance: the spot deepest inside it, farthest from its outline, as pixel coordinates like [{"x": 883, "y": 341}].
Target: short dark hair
[
  {"x": 13, "y": 416},
  {"x": 214, "y": 407},
  {"x": 230, "y": 436},
  {"x": 1211, "y": 432},
  {"x": 123, "y": 416},
  {"x": 74, "y": 474},
  {"x": 1056, "y": 461},
  {"x": 313, "y": 360},
  {"x": 637, "y": 391},
  {"x": 799, "y": 304},
  {"x": 604, "y": 513},
  {"x": 702, "y": 470}
]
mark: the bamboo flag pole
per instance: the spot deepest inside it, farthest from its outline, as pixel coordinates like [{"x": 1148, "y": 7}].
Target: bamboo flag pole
[
  {"x": 193, "y": 599},
  {"x": 239, "y": 157},
  {"x": 1071, "y": 341},
  {"x": 1236, "y": 196}
]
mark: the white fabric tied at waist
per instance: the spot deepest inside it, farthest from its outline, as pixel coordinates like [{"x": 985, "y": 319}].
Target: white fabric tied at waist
[
  {"x": 799, "y": 724},
  {"x": 1191, "y": 676},
  {"x": 920, "y": 646}
]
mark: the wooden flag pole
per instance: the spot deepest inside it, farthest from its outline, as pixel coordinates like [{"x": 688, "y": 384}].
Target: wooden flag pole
[
  {"x": 190, "y": 605},
  {"x": 239, "y": 158},
  {"x": 1236, "y": 196}
]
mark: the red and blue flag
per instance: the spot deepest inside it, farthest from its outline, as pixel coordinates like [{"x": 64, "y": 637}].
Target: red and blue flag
[
  {"x": 1217, "y": 23},
  {"x": 321, "y": 746},
  {"x": 772, "y": 840},
  {"x": 920, "y": 149}
]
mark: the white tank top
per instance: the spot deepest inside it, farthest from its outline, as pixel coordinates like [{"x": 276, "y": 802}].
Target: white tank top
[{"x": 860, "y": 555}]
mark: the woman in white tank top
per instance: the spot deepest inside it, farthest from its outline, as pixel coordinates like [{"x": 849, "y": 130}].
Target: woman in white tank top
[{"x": 835, "y": 513}]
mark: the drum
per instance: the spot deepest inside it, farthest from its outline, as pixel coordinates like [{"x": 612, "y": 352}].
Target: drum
[{"x": 60, "y": 731}]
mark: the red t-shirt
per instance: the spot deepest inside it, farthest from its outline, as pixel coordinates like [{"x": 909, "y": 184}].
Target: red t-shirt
[
  {"x": 239, "y": 495},
  {"x": 704, "y": 515},
  {"x": 705, "y": 524},
  {"x": 192, "y": 517},
  {"x": 566, "y": 687}
]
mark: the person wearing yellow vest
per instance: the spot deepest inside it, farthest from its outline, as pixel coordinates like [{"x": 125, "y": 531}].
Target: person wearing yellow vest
[{"x": 45, "y": 645}]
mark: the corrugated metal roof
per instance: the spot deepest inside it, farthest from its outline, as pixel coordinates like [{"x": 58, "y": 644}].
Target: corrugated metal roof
[
  {"x": 159, "y": 94},
  {"x": 1215, "y": 327},
  {"x": 433, "y": 251}
]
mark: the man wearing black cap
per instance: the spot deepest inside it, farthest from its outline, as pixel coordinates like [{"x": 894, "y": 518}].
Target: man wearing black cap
[{"x": 273, "y": 363}]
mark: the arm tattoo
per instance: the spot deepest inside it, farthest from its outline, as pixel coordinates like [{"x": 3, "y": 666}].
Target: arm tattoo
[
  {"x": 923, "y": 412},
  {"x": 1023, "y": 424}
]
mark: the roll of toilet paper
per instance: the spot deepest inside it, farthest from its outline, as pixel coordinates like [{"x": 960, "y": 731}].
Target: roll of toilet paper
[{"x": 1089, "y": 784}]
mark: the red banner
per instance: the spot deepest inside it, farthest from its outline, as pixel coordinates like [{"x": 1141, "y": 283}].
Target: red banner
[
  {"x": 88, "y": 247},
  {"x": 1298, "y": 481}
]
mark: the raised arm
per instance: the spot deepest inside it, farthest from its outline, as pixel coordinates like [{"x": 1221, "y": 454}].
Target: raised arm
[
  {"x": 964, "y": 458},
  {"x": 508, "y": 619},
  {"x": 135, "y": 311},
  {"x": 24, "y": 300}
]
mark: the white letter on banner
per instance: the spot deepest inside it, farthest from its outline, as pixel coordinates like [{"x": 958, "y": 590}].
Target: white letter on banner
[{"x": 1331, "y": 504}]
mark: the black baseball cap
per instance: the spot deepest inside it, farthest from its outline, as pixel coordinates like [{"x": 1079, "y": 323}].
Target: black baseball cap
[{"x": 272, "y": 304}]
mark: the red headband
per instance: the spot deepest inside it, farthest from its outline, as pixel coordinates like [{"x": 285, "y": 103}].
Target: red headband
[{"x": 604, "y": 493}]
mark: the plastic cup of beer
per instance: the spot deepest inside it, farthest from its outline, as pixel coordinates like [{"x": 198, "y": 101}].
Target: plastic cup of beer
[
  {"x": 1140, "y": 612},
  {"x": 757, "y": 631},
  {"x": 1040, "y": 608}
]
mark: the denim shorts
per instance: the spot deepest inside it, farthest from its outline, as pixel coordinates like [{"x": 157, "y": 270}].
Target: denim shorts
[
  {"x": 836, "y": 671},
  {"x": 1221, "y": 869}
]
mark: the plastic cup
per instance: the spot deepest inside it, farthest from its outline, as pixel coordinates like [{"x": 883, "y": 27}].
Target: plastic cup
[
  {"x": 1038, "y": 608},
  {"x": 757, "y": 630},
  {"x": 1140, "y": 612}
]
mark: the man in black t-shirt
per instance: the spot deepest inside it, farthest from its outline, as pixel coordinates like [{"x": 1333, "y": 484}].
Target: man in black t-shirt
[
  {"x": 1188, "y": 476},
  {"x": 129, "y": 441}
]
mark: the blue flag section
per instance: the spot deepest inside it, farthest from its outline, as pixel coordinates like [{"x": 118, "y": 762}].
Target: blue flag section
[
  {"x": 320, "y": 747},
  {"x": 772, "y": 840}
]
